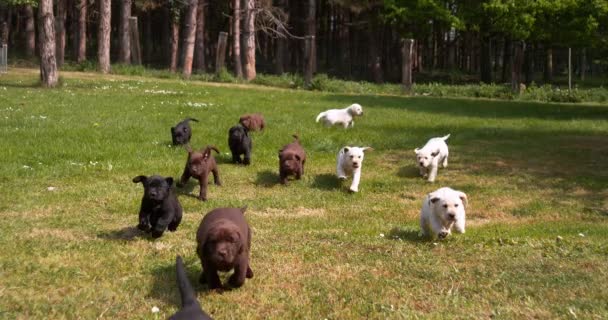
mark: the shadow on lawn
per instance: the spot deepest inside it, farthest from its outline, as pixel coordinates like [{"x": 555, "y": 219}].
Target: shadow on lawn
[
  {"x": 327, "y": 181},
  {"x": 267, "y": 179},
  {"x": 125, "y": 233},
  {"x": 405, "y": 234},
  {"x": 477, "y": 108}
]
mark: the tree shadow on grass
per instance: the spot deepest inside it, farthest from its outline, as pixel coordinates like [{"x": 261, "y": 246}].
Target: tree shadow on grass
[
  {"x": 126, "y": 233},
  {"x": 327, "y": 181},
  {"x": 267, "y": 179}
]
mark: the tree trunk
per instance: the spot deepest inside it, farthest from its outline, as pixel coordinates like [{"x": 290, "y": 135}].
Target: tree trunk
[
  {"x": 308, "y": 60},
  {"x": 174, "y": 43},
  {"x": 280, "y": 42},
  {"x": 406, "y": 68},
  {"x": 148, "y": 38},
  {"x": 583, "y": 66},
  {"x": 60, "y": 28},
  {"x": 103, "y": 36},
  {"x": 189, "y": 38},
  {"x": 312, "y": 31},
  {"x": 506, "y": 59},
  {"x": 220, "y": 54},
  {"x": 374, "y": 56},
  {"x": 549, "y": 65},
  {"x": 30, "y": 32},
  {"x": 236, "y": 39},
  {"x": 46, "y": 25},
  {"x": 82, "y": 31},
  {"x": 529, "y": 64},
  {"x": 199, "y": 47},
  {"x": 134, "y": 40},
  {"x": 516, "y": 66},
  {"x": 485, "y": 62},
  {"x": 124, "y": 36},
  {"x": 249, "y": 67}
]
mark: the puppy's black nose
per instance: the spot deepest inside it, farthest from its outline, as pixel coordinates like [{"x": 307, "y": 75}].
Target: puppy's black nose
[
  {"x": 451, "y": 216},
  {"x": 421, "y": 163}
]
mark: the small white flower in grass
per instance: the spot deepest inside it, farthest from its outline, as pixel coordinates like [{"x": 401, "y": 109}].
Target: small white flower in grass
[
  {"x": 42, "y": 117},
  {"x": 382, "y": 235},
  {"x": 581, "y": 234},
  {"x": 26, "y": 167},
  {"x": 435, "y": 243},
  {"x": 559, "y": 238},
  {"x": 155, "y": 309},
  {"x": 50, "y": 188}
]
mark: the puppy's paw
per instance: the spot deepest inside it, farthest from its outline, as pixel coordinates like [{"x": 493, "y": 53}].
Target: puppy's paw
[
  {"x": 442, "y": 234},
  {"x": 156, "y": 234},
  {"x": 342, "y": 177},
  {"x": 143, "y": 227},
  {"x": 353, "y": 190},
  {"x": 235, "y": 282},
  {"x": 249, "y": 273},
  {"x": 247, "y": 161}
]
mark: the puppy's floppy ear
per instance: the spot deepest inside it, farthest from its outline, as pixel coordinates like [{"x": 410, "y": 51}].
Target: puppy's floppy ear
[
  {"x": 141, "y": 179},
  {"x": 434, "y": 154},
  {"x": 463, "y": 197},
  {"x": 169, "y": 181},
  {"x": 298, "y": 157},
  {"x": 345, "y": 150},
  {"x": 173, "y": 130},
  {"x": 367, "y": 149},
  {"x": 416, "y": 150},
  {"x": 433, "y": 198}
]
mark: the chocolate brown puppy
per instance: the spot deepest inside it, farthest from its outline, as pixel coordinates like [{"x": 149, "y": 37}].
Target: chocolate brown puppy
[
  {"x": 253, "y": 122},
  {"x": 291, "y": 160},
  {"x": 224, "y": 242},
  {"x": 198, "y": 166},
  {"x": 160, "y": 210},
  {"x": 181, "y": 133}
]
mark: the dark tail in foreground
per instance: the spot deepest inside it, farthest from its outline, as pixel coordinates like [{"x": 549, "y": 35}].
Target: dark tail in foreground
[{"x": 191, "y": 309}]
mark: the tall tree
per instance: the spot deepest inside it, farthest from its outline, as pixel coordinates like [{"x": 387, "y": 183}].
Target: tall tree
[
  {"x": 312, "y": 31},
  {"x": 61, "y": 17},
  {"x": 82, "y": 30},
  {"x": 48, "y": 65},
  {"x": 124, "y": 37},
  {"x": 236, "y": 39},
  {"x": 174, "y": 16},
  {"x": 249, "y": 33},
  {"x": 199, "y": 46},
  {"x": 189, "y": 38},
  {"x": 30, "y": 31},
  {"x": 103, "y": 37}
]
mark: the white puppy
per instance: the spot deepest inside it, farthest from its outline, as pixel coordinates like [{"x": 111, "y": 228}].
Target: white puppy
[
  {"x": 441, "y": 211},
  {"x": 350, "y": 160},
  {"x": 429, "y": 157},
  {"x": 341, "y": 116}
]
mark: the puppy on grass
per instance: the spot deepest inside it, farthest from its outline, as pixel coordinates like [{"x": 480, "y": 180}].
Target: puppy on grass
[
  {"x": 240, "y": 144},
  {"x": 198, "y": 166},
  {"x": 350, "y": 160},
  {"x": 191, "y": 309},
  {"x": 224, "y": 242},
  {"x": 292, "y": 158},
  {"x": 341, "y": 116},
  {"x": 181, "y": 133},
  {"x": 253, "y": 122},
  {"x": 442, "y": 211},
  {"x": 160, "y": 210},
  {"x": 435, "y": 151}
]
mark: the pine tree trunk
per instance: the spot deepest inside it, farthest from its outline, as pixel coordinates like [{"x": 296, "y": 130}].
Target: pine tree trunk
[
  {"x": 280, "y": 43},
  {"x": 199, "y": 47},
  {"x": 103, "y": 37},
  {"x": 124, "y": 37},
  {"x": 583, "y": 66},
  {"x": 174, "y": 43},
  {"x": 529, "y": 64},
  {"x": 506, "y": 59},
  {"x": 46, "y": 25},
  {"x": 549, "y": 65},
  {"x": 60, "y": 28},
  {"x": 30, "y": 32},
  {"x": 189, "y": 37},
  {"x": 485, "y": 62},
  {"x": 312, "y": 31},
  {"x": 249, "y": 33},
  {"x": 236, "y": 39},
  {"x": 82, "y": 31}
]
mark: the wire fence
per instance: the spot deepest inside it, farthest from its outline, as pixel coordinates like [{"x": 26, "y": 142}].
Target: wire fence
[{"x": 3, "y": 58}]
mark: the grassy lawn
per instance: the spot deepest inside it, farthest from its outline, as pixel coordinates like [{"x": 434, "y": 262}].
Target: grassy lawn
[{"x": 536, "y": 176}]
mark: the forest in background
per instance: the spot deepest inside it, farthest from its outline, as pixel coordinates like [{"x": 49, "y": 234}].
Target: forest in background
[{"x": 482, "y": 40}]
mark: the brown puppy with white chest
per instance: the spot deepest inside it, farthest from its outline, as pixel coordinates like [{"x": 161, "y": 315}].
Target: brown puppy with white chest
[
  {"x": 198, "y": 166},
  {"x": 292, "y": 158},
  {"x": 253, "y": 122},
  {"x": 224, "y": 242}
]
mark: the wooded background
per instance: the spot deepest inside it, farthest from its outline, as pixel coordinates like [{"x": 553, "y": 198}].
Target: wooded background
[{"x": 483, "y": 40}]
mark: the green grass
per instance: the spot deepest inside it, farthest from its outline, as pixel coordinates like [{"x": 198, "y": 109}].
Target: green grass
[{"x": 532, "y": 172}]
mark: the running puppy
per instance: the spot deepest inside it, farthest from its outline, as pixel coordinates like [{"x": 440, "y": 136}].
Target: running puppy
[
  {"x": 160, "y": 210},
  {"x": 341, "y": 116},
  {"x": 350, "y": 160},
  {"x": 253, "y": 122},
  {"x": 198, "y": 166},
  {"x": 240, "y": 144},
  {"x": 435, "y": 151},
  {"x": 191, "y": 309},
  {"x": 224, "y": 242},
  {"x": 181, "y": 133},
  {"x": 442, "y": 211},
  {"x": 292, "y": 158}
]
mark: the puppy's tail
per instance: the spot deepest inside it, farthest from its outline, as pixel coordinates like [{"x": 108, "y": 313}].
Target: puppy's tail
[
  {"x": 296, "y": 137},
  {"x": 321, "y": 115},
  {"x": 445, "y": 137},
  {"x": 188, "y": 148},
  {"x": 191, "y": 119},
  {"x": 185, "y": 288},
  {"x": 208, "y": 149},
  {"x": 243, "y": 209}
]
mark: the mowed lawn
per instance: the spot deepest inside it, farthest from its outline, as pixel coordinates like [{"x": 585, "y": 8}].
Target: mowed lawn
[{"x": 536, "y": 176}]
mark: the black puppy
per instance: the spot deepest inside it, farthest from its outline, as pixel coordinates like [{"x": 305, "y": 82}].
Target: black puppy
[
  {"x": 191, "y": 309},
  {"x": 240, "y": 143},
  {"x": 181, "y": 133},
  {"x": 160, "y": 209}
]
